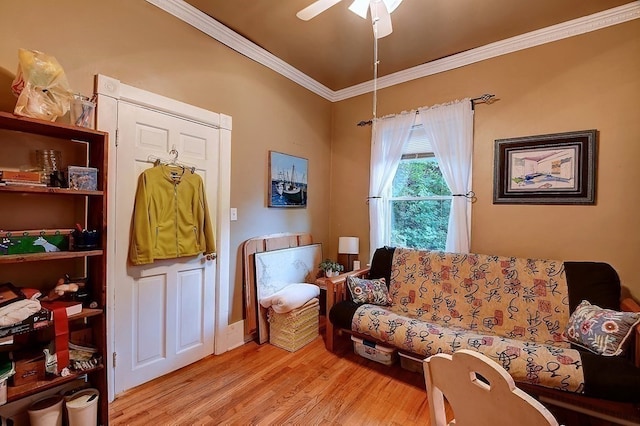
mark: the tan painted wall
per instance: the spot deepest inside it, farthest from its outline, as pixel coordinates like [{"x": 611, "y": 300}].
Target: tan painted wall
[
  {"x": 142, "y": 46},
  {"x": 589, "y": 81},
  {"x": 584, "y": 82}
]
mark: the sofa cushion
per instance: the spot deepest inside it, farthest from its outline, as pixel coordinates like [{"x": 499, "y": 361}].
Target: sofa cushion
[
  {"x": 529, "y": 362},
  {"x": 612, "y": 378},
  {"x": 601, "y": 331},
  {"x": 341, "y": 314},
  {"x": 512, "y": 297},
  {"x": 381, "y": 263},
  {"x": 369, "y": 291},
  {"x": 596, "y": 282}
]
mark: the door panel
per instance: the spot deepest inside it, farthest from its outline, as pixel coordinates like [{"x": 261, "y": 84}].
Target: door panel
[
  {"x": 164, "y": 310},
  {"x": 150, "y": 301},
  {"x": 191, "y": 290}
]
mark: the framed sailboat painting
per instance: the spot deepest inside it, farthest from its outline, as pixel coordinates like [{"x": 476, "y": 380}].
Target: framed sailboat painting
[{"x": 287, "y": 180}]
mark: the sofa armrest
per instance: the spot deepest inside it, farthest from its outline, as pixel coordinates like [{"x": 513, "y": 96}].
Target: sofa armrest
[
  {"x": 630, "y": 305},
  {"x": 336, "y": 292}
]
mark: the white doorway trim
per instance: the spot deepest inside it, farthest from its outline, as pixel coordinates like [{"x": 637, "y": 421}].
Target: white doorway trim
[{"x": 110, "y": 91}]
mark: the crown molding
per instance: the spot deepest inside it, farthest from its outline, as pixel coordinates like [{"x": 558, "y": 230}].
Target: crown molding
[
  {"x": 557, "y": 32},
  {"x": 226, "y": 36},
  {"x": 235, "y": 41}
]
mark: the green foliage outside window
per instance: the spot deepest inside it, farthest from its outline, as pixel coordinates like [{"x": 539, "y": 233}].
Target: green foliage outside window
[{"x": 420, "y": 205}]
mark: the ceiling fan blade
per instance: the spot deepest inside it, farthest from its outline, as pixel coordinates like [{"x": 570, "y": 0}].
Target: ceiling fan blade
[
  {"x": 315, "y": 9},
  {"x": 392, "y": 4},
  {"x": 360, "y": 7},
  {"x": 381, "y": 19}
]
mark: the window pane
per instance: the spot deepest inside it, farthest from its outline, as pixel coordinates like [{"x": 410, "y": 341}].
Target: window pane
[
  {"x": 419, "y": 178},
  {"x": 420, "y": 224}
]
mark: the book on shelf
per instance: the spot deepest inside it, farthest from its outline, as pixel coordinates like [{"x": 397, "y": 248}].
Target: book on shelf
[
  {"x": 73, "y": 307},
  {"x": 23, "y": 183},
  {"x": 20, "y": 176}
]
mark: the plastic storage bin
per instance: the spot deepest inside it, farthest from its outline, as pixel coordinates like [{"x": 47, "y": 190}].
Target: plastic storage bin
[
  {"x": 82, "y": 407},
  {"x": 410, "y": 363},
  {"x": 374, "y": 351}
]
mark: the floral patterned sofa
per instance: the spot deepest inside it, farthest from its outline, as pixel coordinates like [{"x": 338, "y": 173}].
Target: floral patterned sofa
[{"x": 555, "y": 326}]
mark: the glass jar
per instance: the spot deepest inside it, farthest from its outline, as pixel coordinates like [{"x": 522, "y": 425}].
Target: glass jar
[{"x": 49, "y": 161}]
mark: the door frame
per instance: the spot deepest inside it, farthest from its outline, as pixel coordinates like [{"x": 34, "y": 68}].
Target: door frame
[{"x": 110, "y": 91}]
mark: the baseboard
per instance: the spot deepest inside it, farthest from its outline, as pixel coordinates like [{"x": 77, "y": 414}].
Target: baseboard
[{"x": 235, "y": 335}]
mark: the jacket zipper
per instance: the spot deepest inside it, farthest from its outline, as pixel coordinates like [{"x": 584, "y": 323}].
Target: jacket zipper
[{"x": 175, "y": 202}]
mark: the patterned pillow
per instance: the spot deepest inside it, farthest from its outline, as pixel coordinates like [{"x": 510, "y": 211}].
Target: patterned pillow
[
  {"x": 601, "y": 331},
  {"x": 369, "y": 291}
]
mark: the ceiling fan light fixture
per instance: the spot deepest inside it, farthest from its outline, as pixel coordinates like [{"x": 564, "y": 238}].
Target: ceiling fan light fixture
[{"x": 360, "y": 7}]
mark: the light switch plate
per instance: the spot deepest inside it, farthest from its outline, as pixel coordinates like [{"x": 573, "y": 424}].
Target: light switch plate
[{"x": 234, "y": 213}]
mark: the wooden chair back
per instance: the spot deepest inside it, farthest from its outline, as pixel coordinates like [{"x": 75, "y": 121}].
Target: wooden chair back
[{"x": 493, "y": 401}]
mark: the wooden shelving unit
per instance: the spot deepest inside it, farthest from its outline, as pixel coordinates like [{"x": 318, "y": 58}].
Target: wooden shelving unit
[{"x": 35, "y": 207}]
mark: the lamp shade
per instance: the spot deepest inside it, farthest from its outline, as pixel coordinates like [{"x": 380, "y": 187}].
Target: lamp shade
[{"x": 348, "y": 245}]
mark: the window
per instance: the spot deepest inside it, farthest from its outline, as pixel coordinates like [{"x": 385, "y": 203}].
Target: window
[{"x": 420, "y": 199}]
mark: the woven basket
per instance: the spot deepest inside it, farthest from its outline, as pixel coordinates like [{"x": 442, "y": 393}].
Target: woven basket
[{"x": 294, "y": 329}]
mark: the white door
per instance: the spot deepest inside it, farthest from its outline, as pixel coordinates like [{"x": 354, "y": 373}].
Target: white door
[{"x": 163, "y": 315}]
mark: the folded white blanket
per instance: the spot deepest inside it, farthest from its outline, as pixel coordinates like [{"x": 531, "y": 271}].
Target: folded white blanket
[
  {"x": 18, "y": 311},
  {"x": 290, "y": 297}
]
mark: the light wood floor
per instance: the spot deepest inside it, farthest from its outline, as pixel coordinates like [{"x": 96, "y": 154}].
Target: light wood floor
[{"x": 262, "y": 384}]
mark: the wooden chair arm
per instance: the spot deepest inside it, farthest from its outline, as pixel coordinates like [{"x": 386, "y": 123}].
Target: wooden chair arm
[
  {"x": 630, "y": 305},
  {"x": 336, "y": 288}
]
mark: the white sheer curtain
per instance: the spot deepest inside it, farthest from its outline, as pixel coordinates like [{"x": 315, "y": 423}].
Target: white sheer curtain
[
  {"x": 450, "y": 130},
  {"x": 388, "y": 138}
]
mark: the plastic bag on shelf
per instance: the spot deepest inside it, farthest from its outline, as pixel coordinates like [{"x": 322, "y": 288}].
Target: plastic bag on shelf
[{"x": 41, "y": 86}]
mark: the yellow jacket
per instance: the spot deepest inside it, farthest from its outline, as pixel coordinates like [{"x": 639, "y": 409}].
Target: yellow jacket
[{"x": 170, "y": 216}]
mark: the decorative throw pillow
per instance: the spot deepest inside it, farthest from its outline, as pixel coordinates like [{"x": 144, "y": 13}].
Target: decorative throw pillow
[
  {"x": 369, "y": 291},
  {"x": 602, "y": 331}
]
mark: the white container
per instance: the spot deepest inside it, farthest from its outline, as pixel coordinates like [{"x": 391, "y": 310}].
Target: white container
[
  {"x": 3, "y": 391},
  {"x": 46, "y": 411},
  {"x": 82, "y": 407},
  {"x": 374, "y": 351}
]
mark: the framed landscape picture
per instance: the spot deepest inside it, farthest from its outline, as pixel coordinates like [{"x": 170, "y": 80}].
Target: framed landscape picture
[
  {"x": 546, "y": 169},
  {"x": 287, "y": 180}
]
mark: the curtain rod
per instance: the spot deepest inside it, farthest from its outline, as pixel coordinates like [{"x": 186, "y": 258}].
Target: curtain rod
[{"x": 487, "y": 98}]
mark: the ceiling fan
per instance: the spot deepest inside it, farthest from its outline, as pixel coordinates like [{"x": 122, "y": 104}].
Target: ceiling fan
[{"x": 380, "y": 12}]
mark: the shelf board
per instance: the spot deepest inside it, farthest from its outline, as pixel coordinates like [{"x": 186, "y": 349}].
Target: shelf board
[
  {"x": 25, "y": 189},
  {"x": 16, "y": 392},
  {"x": 36, "y": 257},
  {"x": 61, "y": 130},
  {"x": 86, "y": 313}
]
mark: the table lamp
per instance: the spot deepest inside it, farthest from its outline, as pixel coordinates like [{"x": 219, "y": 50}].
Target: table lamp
[{"x": 349, "y": 246}]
